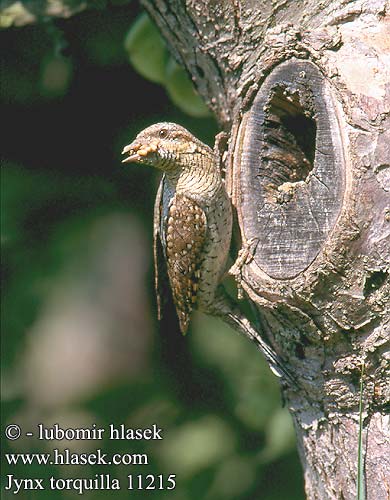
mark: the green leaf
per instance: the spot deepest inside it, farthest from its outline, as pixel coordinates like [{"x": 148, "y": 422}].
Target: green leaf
[
  {"x": 181, "y": 91},
  {"x": 280, "y": 436},
  {"x": 14, "y": 14},
  {"x": 196, "y": 445},
  {"x": 149, "y": 56},
  {"x": 146, "y": 49}
]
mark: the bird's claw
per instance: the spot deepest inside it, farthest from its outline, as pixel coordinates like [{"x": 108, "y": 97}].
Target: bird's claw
[{"x": 245, "y": 256}]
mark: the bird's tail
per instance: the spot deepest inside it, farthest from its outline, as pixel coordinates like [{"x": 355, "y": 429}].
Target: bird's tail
[{"x": 227, "y": 309}]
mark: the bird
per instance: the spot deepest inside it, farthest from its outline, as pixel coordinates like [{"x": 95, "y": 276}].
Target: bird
[{"x": 193, "y": 230}]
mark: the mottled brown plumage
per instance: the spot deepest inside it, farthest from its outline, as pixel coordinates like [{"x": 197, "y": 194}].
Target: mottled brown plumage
[
  {"x": 192, "y": 228},
  {"x": 186, "y": 230}
]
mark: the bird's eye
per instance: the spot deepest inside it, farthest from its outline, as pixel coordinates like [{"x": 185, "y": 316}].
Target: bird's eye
[{"x": 163, "y": 133}]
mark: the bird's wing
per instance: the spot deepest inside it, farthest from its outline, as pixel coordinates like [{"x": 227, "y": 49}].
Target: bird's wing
[
  {"x": 160, "y": 270},
  {"x": 185, "y": 230}
]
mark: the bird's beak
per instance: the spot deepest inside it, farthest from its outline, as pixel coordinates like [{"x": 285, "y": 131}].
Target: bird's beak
[
  {"x": 132, "y": 151},
  {"x": 137, "y": 151}
]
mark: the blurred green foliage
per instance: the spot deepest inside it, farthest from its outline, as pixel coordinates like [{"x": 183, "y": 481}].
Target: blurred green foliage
[
  {"x": 80, "y": 343},
  {"x": 150, "y": 57}
]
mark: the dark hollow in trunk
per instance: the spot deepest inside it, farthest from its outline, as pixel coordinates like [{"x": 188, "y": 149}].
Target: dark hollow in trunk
[{"x": 292, "y": 170}]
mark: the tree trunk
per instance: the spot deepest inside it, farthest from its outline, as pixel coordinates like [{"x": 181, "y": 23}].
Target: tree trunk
[{"x": 302, "y": 89}]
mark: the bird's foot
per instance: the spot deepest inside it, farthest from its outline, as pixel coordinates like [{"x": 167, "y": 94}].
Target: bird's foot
[
  {"x": 220, "y": 146},
  {"x": 245, "y": 256}
]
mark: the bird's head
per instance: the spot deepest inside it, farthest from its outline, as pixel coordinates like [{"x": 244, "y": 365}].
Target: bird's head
[{"x": 166, "y": 146}]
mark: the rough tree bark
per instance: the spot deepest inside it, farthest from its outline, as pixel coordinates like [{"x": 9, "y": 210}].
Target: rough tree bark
[{"x": 302, "y": 89}]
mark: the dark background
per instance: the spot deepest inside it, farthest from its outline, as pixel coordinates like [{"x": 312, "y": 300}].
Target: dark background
[{"x": 80, "y": 342}]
